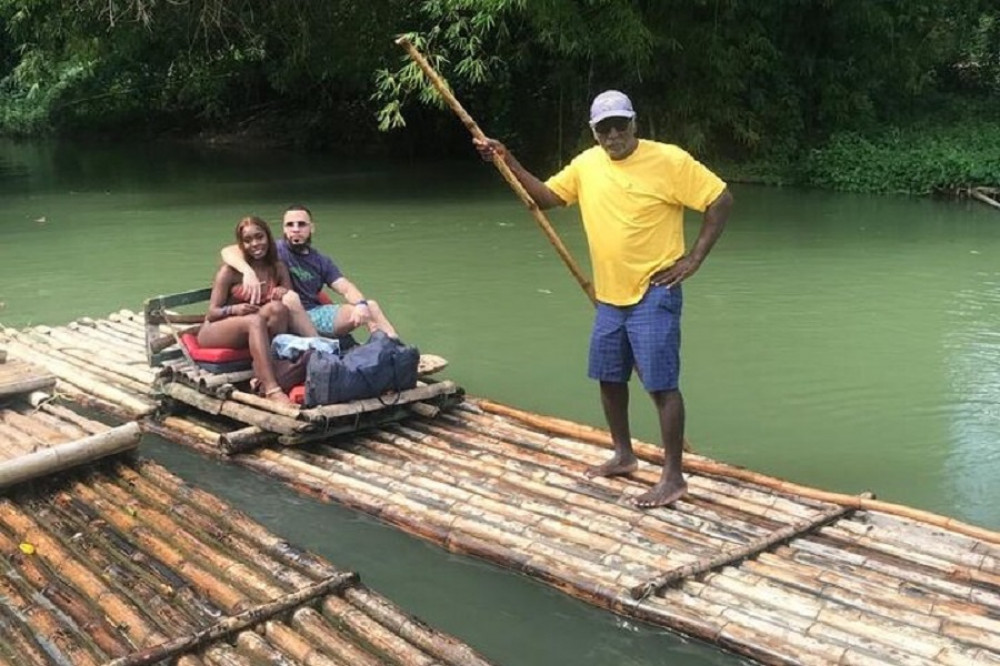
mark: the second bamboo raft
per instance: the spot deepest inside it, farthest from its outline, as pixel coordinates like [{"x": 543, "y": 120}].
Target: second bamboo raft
[{"x": 120, "y": 563}]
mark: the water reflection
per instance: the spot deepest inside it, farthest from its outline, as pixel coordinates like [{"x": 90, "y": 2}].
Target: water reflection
[{"x": 972, "y": 349}]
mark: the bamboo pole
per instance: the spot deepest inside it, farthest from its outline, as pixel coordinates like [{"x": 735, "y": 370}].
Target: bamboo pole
[
  {"x": 700, "y": 465},
  {"x": 108, "y": 371},
  {"x": 323, "y": 633},
  {"x": 739, "y": 554},
  {"x": 435, "y": 643},
  {"x": 43, "y": 402},
  {"x": 445, "y": 91},
  {"x": 85, "y": 381},
  {"x": 64, "y": 598},
  {"x": 244, "y": 413},
  {"x": 289, "y": 411},
  {"x": 234, "y": 520},
  {"x": 17, "y": 378},
  {"x": 244, "y": 439},
  {"x": 57, "y": 557},
  {"x": 64, "y": 456},
  {"x": 3, "y": 355},
  {"x": 236, "y": 623}
]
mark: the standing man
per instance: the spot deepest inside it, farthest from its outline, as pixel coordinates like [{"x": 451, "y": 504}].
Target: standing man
[
  {"x": 311, "y": 270},
  {"x": 632, "y": 194}
]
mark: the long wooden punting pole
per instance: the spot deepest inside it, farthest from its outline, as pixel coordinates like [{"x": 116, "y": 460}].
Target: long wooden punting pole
[
  {"x": 445, "y": 91},
  {"x": 235, "y": 623},
  {"x": 704, "y": 466},
  {"x": 64, "y": 456}
]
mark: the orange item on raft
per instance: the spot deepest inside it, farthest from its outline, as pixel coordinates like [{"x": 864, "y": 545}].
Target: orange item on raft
[{"x": 212, "y": 354}]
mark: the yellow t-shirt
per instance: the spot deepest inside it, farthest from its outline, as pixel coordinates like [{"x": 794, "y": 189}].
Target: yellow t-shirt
[{"x": 633, "y": 211}]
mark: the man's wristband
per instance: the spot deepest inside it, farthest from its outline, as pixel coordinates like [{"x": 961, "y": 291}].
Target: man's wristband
[
  {"x": 361, "y": 302},
  {"x": 226, "y": 310}
]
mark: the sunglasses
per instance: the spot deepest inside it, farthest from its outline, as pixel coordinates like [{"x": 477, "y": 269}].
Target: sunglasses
[
  {"x": 293, "y": 224},
  {"x": 608, "y": 124}
]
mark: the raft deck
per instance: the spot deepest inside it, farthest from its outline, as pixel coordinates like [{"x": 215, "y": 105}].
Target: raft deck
[
  {"x": 775, "y": 571},
  {"x": 118, "y": 562},
  {"x": 182, "y": 380}
]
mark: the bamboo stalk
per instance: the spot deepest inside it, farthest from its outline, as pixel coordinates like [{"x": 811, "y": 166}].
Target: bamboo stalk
[
  {"x": 289, "y": 411},
  {"x": 235, "y": 521},
  {"x": 705, "y": 466},
  {"x": 3, "y": 355},
  {"x": 85, "y": 381},
  {"x": 45, "y": 625},
  {"x": 321, "y": 632},
  {"x": 43, "y": 402},
  {"x": 445, "y": 91},
  {"x": 81, "y": 348},
  {"x": 289, "y": 642},
  {"x": 815, "y": 549},
  {"x": 174, "y": 543},
  {"x": 433, "y": 642},
  {"x": 131, "y": 622},
  {"x": 244, "y": 439},
  {"x": 244, "y": 413},
  {"x": 181, "y": 431},
  {"x": 380, "y": 639},
  {"x": 64, "y": 598},
  {"x": 208, "y": 531},
  {"x": 737, "y": 555},
  {"x": 66, "y": 456},
  {"x": 235, "y": 623},
  {"x": 67, "y": 430},
  {"x": 41, "y": 434},
  {"x": 107, "y": 370},
  {"x": 17, "y": 378}
]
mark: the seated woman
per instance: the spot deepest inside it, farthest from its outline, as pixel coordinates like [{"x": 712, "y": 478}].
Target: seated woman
[{"x": 233, "y": 323}]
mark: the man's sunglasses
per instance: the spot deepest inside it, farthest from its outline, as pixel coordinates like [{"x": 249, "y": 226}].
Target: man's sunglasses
[
  {"x": 292, "y": 224},
  {"x": 618, "y": 124}
]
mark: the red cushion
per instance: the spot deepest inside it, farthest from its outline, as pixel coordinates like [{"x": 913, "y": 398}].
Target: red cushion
[
  {"x": 212, "y": 354},
  {"x": 297, "y": 394},
  {"x": 324, "y": 298}
]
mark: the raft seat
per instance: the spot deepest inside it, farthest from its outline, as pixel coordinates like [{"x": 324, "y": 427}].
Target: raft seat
[{"x": 216, "y": 359}]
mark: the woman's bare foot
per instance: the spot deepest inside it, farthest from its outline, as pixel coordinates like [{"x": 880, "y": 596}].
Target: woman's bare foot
[
  {"x": 662, "y": 494},
  {"x": 617, "y": 466},
  {"x": 277, "y": 395}
]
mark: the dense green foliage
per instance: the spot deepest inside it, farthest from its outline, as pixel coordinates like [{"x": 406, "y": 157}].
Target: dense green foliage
[{"x": 835, "y": 92}]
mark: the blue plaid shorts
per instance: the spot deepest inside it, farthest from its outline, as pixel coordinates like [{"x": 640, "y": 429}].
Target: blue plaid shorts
[
  {"x": 646, "y": 335},
  {"x": 324, "y": 317}
]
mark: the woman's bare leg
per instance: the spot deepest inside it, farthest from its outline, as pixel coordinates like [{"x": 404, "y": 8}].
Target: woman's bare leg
[
  {"x": 276, "y": 316},
  {"x": 299, "y": 321},
  {"x": 247, "y": 331}
]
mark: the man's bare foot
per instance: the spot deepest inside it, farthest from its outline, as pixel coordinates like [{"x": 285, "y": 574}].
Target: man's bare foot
[
  {"x": 662, "y": 494},
  {"x": 617, "y": 466}
]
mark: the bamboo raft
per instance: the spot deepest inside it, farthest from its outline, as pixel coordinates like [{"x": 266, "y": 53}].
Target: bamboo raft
[
  {"x": 118, "y": 562},
  {"x": 183, "y": 381},
  {"x": 778, "y": 572}
]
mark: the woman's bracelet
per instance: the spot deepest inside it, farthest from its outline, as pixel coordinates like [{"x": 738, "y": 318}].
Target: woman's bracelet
[{"x": 226, "y": 311}]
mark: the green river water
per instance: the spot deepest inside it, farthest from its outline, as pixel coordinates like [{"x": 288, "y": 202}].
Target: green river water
[{"x": 846, "y": 342}]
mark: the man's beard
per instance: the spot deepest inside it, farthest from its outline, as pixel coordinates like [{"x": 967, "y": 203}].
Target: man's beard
[{"x": 300, "y": 248}]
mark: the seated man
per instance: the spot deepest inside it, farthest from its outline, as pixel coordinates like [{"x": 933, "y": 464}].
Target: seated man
[{"x": 311, "y": 270}]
